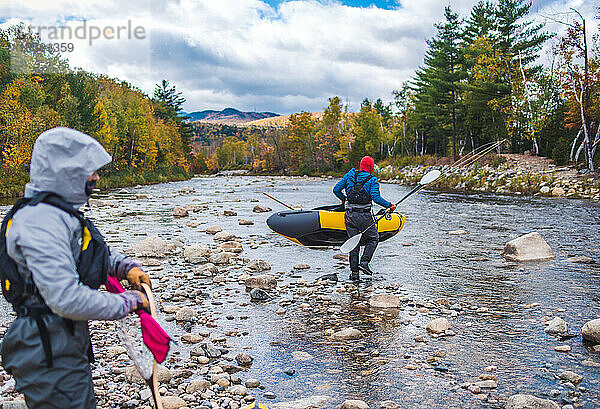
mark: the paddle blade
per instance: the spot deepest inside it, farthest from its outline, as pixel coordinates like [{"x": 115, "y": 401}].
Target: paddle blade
[
  {"x": 430, "y": 177},
  {"x": 350, "y": 244}
]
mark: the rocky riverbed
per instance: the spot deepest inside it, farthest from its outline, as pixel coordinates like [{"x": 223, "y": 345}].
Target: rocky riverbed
[
  {"x": 517, "y": 175},
  {"x": 445, "y": 322}
]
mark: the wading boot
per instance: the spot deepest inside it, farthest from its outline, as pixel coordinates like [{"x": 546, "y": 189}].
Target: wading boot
[
  {"x": 354, "y": 276},
  {"x": 364, "y": 267}
]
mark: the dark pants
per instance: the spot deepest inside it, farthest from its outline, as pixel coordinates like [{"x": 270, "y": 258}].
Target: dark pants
[
  {"x": 357, "y": 222},
  {"x": 68, "y": 384}
]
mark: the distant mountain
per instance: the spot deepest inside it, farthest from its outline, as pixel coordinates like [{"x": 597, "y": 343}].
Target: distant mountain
[{"x": 228, "y": 116}]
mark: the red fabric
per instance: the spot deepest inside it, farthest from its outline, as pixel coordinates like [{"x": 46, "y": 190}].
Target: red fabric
[
  {"x": 367, "y": 163},
  {"x": 155, "y": 338}
]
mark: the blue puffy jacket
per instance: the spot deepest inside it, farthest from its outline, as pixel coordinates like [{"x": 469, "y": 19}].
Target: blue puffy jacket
[{"x": 371, "y": 186}]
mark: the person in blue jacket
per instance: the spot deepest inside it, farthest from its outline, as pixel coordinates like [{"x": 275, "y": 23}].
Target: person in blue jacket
[{"x": 361, "y": 188}]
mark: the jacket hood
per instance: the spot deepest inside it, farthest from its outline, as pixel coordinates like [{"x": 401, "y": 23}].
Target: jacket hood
[{"x": 62, "y": 161}]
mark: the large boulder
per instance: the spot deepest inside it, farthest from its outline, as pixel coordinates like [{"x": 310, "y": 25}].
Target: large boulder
[
  {"x": 196, "y": 253},
  {"x": 521, "y": 401},
  {"x": 591, "y": 331},
  {"x": 530, "y": 247},
  {"x": 385, "y": 301},
  {"x": 261, "y": 209},
  {"x": 152, "y": 246},
  {"x": 264, "y": 281}
]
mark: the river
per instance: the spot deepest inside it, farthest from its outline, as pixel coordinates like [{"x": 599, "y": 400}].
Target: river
[{"x": 500, "y": 322}]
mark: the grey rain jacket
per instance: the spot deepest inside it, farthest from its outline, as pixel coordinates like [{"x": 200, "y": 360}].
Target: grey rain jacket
[{"x": 45, "y": 242}]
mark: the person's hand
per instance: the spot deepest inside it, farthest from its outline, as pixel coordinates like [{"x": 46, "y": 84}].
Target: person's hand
[
  {"x": 143, "y": 302},
  {"x": 392, "y": 208},
  {"x": 136, "y": 277}
]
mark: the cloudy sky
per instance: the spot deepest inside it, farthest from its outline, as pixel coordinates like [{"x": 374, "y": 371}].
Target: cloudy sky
[{"x": 272, "y": 55}]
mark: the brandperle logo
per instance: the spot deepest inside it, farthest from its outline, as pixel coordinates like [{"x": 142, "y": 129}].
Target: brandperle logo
[{"x": 64, "y": 35}]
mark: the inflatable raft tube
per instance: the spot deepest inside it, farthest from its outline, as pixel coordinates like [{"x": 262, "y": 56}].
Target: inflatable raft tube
[{"x": 324, "y": 226}]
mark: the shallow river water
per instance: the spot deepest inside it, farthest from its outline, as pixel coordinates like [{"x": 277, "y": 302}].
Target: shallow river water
[{"x": 498, "y": 324}]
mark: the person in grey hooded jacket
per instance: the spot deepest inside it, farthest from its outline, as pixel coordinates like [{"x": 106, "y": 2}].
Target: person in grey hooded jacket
[{"x": 45, "y": 242}]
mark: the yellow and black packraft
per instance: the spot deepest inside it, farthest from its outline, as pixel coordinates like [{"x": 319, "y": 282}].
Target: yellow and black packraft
[{"x": 92, "y": 265}]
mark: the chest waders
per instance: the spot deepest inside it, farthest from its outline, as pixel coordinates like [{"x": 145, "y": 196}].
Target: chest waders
[{"x": 92, "y": 268}]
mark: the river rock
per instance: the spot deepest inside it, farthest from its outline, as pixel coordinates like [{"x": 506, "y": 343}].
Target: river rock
[
  {"x": 545, "y": 189},
  {"x": 222, "y": 258},
  {"x": 301, "y": 356},
  {"x": 459, "y": 232},
  {"x": 213, "y": 230},
  {"x": 224, "y": 236},
  {"x": 186, "y": 314},
  {"x": 205, "y": 349},
  {"x": 198, "y": 385},
  {"x": 562, "y": 348},
  {"x": 207, "y": 269},
  {"x": 231, "y": 246},
  {"x": 438, "y": 325},
  {"x": 301, "y": 266},
  {"x": 244, "y": 359},
  {"x": 354, "y": 404},
  {"x": 258, "y": 265},
  {"x": 558, "y": 191},
  {"x": 347, "y": 334},
  {"x": 486, "y": 384},
  {"x": 530, "y": 247},
  {"x": 258, "y": 294},
  {"x": 245, "y": 222},
  {"x": 191, "y": 338},
  {"x": 556, "y": 326},
  {"x": 581, "y": 259},
  {"x": 261, "y": 209},
  {"x": 229, "y": 213},
  {"x": 312, "y": 402},
  {"x": 522, "y": 401},
  {"x": 152, "y": 246},
  {"x": 389, "y": 404},
  {"x": 132, "y": 375},
  {"x": 180, "y": 212},
  {"x": 196, "y": 253},
  {"x": 591, "y": 331},
  {"x": 264, "y": 281},
  {"x": 173, "y": 402},
  {"x": 252, "y": 383},
  {"x": 238, "y": 390},
  {"x": 385, "y": 301},
  {"x": 572, "y": 377},
  {"x": 14, "y": 404}
]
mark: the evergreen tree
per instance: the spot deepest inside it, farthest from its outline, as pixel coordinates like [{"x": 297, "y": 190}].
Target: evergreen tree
[
  {"x": 172, "y": 102},
  {"x": 438, "y": 83}
]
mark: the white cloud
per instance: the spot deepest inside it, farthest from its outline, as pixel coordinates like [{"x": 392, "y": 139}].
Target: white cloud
[{"x": 246, "y": 54}]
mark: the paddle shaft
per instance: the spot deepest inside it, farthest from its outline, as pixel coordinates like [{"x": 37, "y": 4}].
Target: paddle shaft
[
  {"x": 153, "y": 382},
  {"x": 278, "y": 201}
]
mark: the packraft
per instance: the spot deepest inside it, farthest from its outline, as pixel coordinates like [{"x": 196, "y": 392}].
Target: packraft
[{"x": 325, "y": 226}]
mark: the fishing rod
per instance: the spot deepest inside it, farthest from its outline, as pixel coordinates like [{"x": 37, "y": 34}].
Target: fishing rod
[
  {"x": 477, "y": 154},
  {"x": 278, "y": 201},
  {"x": 353, "y": 241}
]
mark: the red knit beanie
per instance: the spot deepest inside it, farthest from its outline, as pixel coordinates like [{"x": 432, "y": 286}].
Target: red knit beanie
[{"x": 367, "y": 163}]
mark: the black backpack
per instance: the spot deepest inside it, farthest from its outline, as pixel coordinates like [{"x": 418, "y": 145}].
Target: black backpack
[
  {"x": 92, "y": 266},
  {"x": 357, "y": 194}
]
